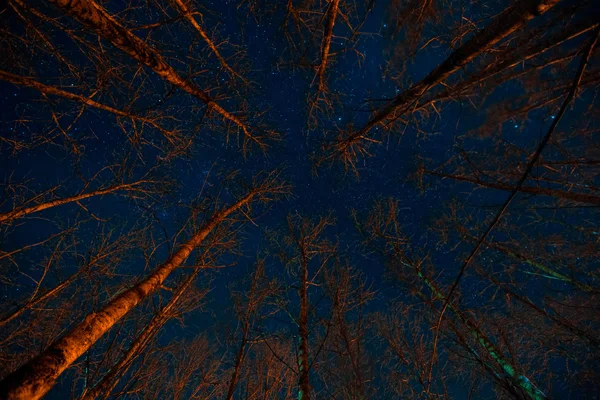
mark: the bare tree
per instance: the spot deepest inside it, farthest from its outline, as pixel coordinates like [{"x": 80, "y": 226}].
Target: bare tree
[
  {"x": 35, "y": 378},
  {"x": 351, "y": 146},
  {"x": 248, "y": 306}
]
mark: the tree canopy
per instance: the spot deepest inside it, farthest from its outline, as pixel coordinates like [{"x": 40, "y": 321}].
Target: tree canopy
[{"x": 326, "y": 199}]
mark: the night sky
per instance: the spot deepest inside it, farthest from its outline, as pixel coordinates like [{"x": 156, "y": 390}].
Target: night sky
[{"x": 363, "y": 75}]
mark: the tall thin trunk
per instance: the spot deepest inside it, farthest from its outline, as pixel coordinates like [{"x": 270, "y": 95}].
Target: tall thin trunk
[
  {"x": 23, "y": 211},
  {"x": 326, "y": 43},
  {"x": 514, "y": 59},
  {"x": 354, "y": 361},
  {"x": 190, "y": 17},
  {"x": 489, "y": 368},
  {"x": 250, "y": 308},
  {"x": 51, "y": 90},
  {"x": 108, "y": 382},
  {"x": 504, "y": 24},
  {"x": 36, "y": 378},
  {"x": 304, "y": 383},
  {"x": 92, "y": 15},
  {"x": 519, "y": 380},
  {"x": 239, "y": 359},
  {"x": 560, "y": 194}
]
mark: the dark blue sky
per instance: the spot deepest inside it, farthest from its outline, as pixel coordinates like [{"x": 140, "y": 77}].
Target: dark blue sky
[{"x": 281, "y": 90}]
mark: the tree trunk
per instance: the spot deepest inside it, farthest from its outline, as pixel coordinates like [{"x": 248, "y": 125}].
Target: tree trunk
[
  {"x": 21, "y": 212},
  {"x": 304, "y": 383},
  {"x": 190, "y": 17},
  {"x": 37, "y": 377},
  {"x": 92, "y": 15},
  {"x": 327, "y": 36},
  {"x": 45, "y": 89},
  {"x": 250, "y": 309},
  {"x": 518, "y": 379},
  {"x": 108, "y": 382},
  {"x": 238, "y": 364},
  {"x": 560, "y": 194},
  {"x": 504, "y": 24}
]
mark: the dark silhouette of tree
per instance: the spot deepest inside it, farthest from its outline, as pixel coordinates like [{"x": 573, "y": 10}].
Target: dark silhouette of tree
[{"x": 383, "y": 227}]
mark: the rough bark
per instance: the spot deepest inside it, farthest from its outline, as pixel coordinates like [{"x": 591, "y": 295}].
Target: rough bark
[
  {"x": 36, "y": 378},
  {"x": 108, "y": 381}
]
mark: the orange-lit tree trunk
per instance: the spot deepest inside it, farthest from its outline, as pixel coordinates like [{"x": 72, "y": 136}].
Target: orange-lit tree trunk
[
  {"x": 308, "y": 244},
  {"x": 23, "y": 211},
  {"x": 51, "y": 90},
  {"x": 326, "y": 43},
  {"x": 189, "y": 15},
  {"x": 37, "y": 377},
  {"x": 239, "y": 358},
  {"x": 110, "y": 380},
  {"x": 504, "y": 24},
  {"x": 92, "y": 15}
]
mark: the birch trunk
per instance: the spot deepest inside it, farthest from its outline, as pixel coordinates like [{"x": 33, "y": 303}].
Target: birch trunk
[
  {"x": 37, "y": 377},
  {"x": 108, "y": 382}
]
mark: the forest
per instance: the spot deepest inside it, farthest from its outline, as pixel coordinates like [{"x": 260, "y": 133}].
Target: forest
[{"x": 300, "y": 199}]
